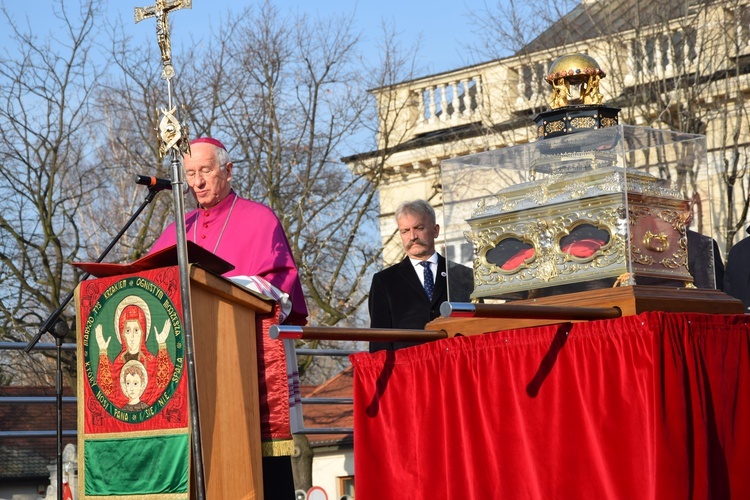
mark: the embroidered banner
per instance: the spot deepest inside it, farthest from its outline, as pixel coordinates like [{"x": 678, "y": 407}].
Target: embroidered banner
[{"x": 133, "y": 415}]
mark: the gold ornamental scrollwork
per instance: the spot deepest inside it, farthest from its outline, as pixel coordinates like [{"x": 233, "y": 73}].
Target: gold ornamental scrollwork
[
  {"x": 656, "y": 242},
  {"x": 556, "y": 126},
  {"x": 172, "y": 134},
  {"x": 583, "y": 122},
  {"x": 676, "y": 219},
  {"x": 548, "y": 264}
]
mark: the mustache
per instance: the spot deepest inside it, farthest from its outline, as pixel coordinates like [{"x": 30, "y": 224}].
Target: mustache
[{"x": 417, "y": 240}]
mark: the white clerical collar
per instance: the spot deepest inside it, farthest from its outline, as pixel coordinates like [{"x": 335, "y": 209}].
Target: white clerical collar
[{"x": 433, "y": 260}]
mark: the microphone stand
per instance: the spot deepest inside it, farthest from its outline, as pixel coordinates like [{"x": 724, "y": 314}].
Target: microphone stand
[
  {"x": 59, "y": 328},
  {"x": 52, "y": 319}
]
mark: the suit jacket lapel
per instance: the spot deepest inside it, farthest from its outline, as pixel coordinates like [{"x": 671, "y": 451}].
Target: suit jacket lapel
[{"x": 406, "y": 269}]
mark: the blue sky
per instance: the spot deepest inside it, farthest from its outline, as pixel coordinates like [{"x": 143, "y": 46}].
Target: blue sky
[{"x": 444, "y": 26}]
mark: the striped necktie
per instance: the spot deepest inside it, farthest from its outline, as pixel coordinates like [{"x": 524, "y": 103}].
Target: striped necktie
[{"x": 429, "y": 280}]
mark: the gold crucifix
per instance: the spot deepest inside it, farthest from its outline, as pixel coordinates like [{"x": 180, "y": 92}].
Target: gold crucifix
[
  {"x": 160, "y": 11},
  {"x": 172, "y": 135}
]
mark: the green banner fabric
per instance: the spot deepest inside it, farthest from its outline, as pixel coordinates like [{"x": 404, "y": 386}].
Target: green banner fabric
[{"x": 137, "y": 466}]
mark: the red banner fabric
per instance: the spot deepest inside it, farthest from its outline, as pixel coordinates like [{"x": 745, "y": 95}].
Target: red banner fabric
[
  {"x": 654, "y": 406},
  {"x": 155, "y": 301}
]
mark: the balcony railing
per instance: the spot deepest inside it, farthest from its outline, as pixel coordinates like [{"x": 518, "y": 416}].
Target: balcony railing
[{"x": 450, "y": 102}]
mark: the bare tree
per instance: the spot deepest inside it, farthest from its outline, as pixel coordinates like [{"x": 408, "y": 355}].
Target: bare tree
[
  {"x": 47, "y": 176},
  {"x": 288, "y": 97},
  {"x": 129, "y": 99},
  {"x": 507, "y": 27},
  {"x": 284, "y": 95}
]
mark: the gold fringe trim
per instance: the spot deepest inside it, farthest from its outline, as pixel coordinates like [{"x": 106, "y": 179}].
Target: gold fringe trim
[
  {"x": 283, "y": 448},
  {"x": 136, "y": 434}
]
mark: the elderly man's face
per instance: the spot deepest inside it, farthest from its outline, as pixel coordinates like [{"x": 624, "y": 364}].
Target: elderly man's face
[
  {"x": 418, "y": 233},
  {"x": 207, "y": 180}
]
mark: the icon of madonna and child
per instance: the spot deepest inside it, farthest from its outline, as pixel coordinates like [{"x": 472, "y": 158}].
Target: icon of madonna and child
[{"x": 136, "y": 377}]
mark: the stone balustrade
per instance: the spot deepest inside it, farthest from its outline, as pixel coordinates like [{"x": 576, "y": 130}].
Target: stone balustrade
[
  {"x": 505, "y": 89},
  {"x": 450, "y": 102}
]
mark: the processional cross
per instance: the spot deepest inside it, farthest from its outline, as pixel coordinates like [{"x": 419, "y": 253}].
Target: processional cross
[
  {"x": 170, "y": 131},
  {"x": 174, "y": 140},
  {"x": 160, "y": 10}
]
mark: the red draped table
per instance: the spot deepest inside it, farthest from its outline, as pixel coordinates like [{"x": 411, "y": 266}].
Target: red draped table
[{"x": 654, "y": 406}]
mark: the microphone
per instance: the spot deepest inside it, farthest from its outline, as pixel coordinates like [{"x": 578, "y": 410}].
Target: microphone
[{"x": 153, "y": 183}]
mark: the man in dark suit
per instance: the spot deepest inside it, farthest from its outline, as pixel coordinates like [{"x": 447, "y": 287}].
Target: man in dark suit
[
  {"x": 398, "y": 295},
  {"x": 737, "y": 275},
  {"x": 704, "y": 261}
]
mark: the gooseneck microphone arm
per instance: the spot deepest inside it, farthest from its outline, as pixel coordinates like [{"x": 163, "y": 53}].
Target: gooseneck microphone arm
[{"x": 154, "y": 187}]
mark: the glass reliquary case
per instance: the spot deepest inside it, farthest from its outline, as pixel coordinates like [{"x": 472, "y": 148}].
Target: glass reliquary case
[{"x": 613, "y": 206}]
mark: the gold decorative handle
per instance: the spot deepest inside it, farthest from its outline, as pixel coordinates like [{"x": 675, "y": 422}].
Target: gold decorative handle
[{"x": 656, "y": 242}]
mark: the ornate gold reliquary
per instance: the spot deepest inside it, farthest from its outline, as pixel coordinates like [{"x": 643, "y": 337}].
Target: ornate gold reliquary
[
  {"x": 590, "y": 204},
  {"x": 577, "y": 227},
  {"x": 576, "y": 212}
]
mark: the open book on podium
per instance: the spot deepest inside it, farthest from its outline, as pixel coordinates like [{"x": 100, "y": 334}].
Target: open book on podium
[
  {"x": 165, "y": 257},
  {"x": 134, "y": 427}
]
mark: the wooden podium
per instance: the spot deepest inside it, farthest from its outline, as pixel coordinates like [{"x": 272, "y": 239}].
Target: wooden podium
[
  {"x": 227, "y": 379},
  {"x": 224, "y": 338}
]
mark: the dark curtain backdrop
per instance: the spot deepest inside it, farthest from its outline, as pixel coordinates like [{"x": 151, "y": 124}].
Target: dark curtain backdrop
[{"x": 655, "y": 406}]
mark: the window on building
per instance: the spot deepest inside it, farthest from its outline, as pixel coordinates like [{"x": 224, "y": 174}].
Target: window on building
[
  {"x": 649, "y": 53},
  {"x": 690, "y": 41},
  {"x": 744, "y": 25},
  {"x": 533, "y": 79},
  {"x": 467, "y": 253},
  {"x": 450, "y": 253},
  {"x": 346, "y": 487}
]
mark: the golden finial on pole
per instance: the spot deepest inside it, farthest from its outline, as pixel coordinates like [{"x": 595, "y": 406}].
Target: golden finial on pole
[{"x": 172, "y": 134}]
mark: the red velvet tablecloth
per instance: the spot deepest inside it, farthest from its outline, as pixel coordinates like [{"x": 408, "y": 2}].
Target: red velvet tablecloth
[{"x": 655, "y": 406}]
